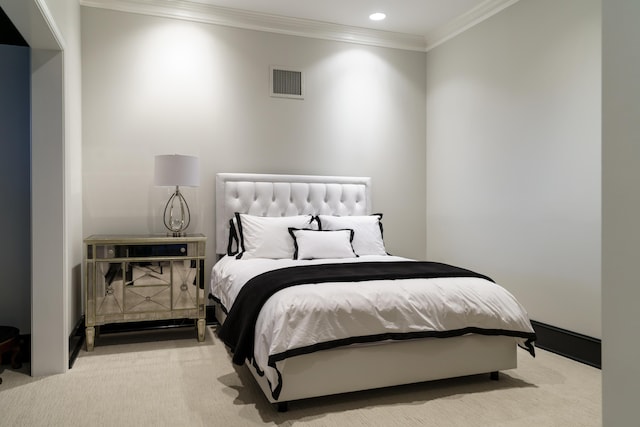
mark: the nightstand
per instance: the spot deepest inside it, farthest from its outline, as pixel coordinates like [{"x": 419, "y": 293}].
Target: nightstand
[{"x": 133, "y": 278}]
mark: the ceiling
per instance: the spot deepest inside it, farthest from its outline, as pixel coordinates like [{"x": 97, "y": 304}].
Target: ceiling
[{"x": 417, "y": 17}]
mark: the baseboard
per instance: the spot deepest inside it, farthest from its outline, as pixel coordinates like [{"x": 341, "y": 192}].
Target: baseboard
[
  {"x": 575, "y": 346},
  {"x": 76, "y": 340}
]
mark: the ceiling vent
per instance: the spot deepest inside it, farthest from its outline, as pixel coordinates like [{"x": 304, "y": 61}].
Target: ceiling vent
[{"x": 287, "y": 82}]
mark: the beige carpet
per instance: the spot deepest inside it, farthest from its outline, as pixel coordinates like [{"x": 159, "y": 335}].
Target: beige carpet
[{"x": 167, "y": 378}]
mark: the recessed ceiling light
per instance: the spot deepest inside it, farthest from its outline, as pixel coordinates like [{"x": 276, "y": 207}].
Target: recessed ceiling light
[{"x": 378, "y": 16}]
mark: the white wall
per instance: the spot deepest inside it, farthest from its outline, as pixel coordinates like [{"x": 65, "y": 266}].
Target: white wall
[
  {"x": 52, "y": 29},
  {"x": 621, "y": 210},
  {"x": 513, "y": 156},
  {"x": 66, "y": 14},
  {"x": 49, "y": 278},
  {"x": 65, "y": 22},
  {"x": 15, "y": 171},
  {"x": 155, "y": 86}
]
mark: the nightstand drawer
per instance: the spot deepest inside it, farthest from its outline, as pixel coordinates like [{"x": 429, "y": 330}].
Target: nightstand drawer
[
  {"x": 147, "y": 298},
  {"x": 185, "y": 285}
]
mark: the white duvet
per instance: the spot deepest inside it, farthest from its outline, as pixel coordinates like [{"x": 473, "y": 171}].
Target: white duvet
[{"x": 303, "y": 315}]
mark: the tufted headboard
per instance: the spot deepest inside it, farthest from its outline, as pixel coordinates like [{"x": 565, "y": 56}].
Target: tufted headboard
[{"x": 283, "y": 195}]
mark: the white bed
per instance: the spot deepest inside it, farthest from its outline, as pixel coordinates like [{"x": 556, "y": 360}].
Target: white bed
[{"x": 352, "y": 366}]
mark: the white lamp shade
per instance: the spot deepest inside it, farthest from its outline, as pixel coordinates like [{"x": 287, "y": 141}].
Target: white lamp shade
[{"x": 175, "y": 169}]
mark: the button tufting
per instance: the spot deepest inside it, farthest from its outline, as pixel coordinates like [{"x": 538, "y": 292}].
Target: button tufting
[{"x": 296, "y": 198}]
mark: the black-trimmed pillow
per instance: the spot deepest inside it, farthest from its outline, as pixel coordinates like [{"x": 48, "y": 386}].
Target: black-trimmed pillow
[
  {"x": 268, "y": 237},
  {"x": 367, "y": 239},
  {"x": 318, "y": 244},
  {"x": 233, "y": 244}
]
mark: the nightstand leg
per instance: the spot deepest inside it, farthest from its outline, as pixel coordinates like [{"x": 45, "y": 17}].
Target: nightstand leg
[
  {"x": 201, "y": 325},
  {"x": 90, "y": 334}
]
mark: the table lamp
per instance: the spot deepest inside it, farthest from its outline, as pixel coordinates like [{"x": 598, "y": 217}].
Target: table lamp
[{"x": 177, "y": 170}]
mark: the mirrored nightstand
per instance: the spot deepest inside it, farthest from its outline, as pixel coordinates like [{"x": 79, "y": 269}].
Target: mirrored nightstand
[{"x": 133, "y": 278}]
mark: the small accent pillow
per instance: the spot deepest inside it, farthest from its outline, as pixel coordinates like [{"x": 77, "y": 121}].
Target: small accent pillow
[
  {"x": 268, "y": 237},
  {"x": 233, "y": 245},
  {"x": 313, "y": 244},
  {"x": 367, "y": 239}
]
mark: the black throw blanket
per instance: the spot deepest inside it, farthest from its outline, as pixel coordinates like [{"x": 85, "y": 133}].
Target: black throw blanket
[{"x": 239, "y": 328}]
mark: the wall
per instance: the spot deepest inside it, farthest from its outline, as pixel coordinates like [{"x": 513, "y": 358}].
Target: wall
[
  {"x": 66, "y": 15},
  {"x": 155, "y": 86},
  {"x": 620, "y": 211},
  {"x": 49, "y": 278},
  {"x": 513, "y": 156},
  {"x": 57, "y": 259},
  {"x": 52, "y": 29},
  {"x": 15, "y": 169}
]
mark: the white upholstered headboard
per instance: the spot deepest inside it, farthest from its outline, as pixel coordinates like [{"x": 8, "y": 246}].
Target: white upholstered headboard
[{"x": 280, "y": 195}]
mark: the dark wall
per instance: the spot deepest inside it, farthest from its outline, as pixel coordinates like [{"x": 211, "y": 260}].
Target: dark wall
[{"x": 15, "y": 194}]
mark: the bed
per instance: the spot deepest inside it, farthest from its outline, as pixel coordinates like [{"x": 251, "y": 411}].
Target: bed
[{"x": 309, "y": 299}]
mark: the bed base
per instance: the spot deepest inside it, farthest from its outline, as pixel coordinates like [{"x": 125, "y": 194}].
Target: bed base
[
  {"x": 359, "y": 368},
  {"x": 391, "y": 363}
]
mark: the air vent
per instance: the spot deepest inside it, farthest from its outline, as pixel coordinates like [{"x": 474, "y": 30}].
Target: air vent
[{"x": 287, "y": 82}]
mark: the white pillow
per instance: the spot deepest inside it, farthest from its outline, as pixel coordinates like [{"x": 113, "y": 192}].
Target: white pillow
[
  {"x": 313, "y": 244},
  {"x": 268, "y": 237},
  {"x": 367, "y": 239}
]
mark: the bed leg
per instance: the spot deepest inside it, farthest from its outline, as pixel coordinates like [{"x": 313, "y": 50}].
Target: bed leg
[
  {"x": 495, "y": 375},
  {"x": 282, "y": 406}
]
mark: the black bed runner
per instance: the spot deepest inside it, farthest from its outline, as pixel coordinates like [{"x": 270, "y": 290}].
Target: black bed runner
[{"x": 238, "y": 329}]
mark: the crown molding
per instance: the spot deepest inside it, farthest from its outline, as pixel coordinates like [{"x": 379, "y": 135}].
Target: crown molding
[
  {"x": 465, "y": 21},
  {"x": 237, "y": 18},
  {"x": 199, "y": 12}
]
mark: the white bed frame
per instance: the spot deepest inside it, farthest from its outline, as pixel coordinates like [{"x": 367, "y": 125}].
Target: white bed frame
[{"x": 358, "y": 367}]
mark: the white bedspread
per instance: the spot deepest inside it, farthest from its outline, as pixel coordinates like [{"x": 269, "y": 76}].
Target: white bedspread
[{"x": 303, "y": 315}]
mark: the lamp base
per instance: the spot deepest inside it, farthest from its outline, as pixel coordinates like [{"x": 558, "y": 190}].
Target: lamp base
[
  {"x": 174, "y": 223},
  {"x": 177, "y": 234}
]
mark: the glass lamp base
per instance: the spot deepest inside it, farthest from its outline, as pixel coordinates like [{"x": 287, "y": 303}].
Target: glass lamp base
[{"x": 176, "y": 223}]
